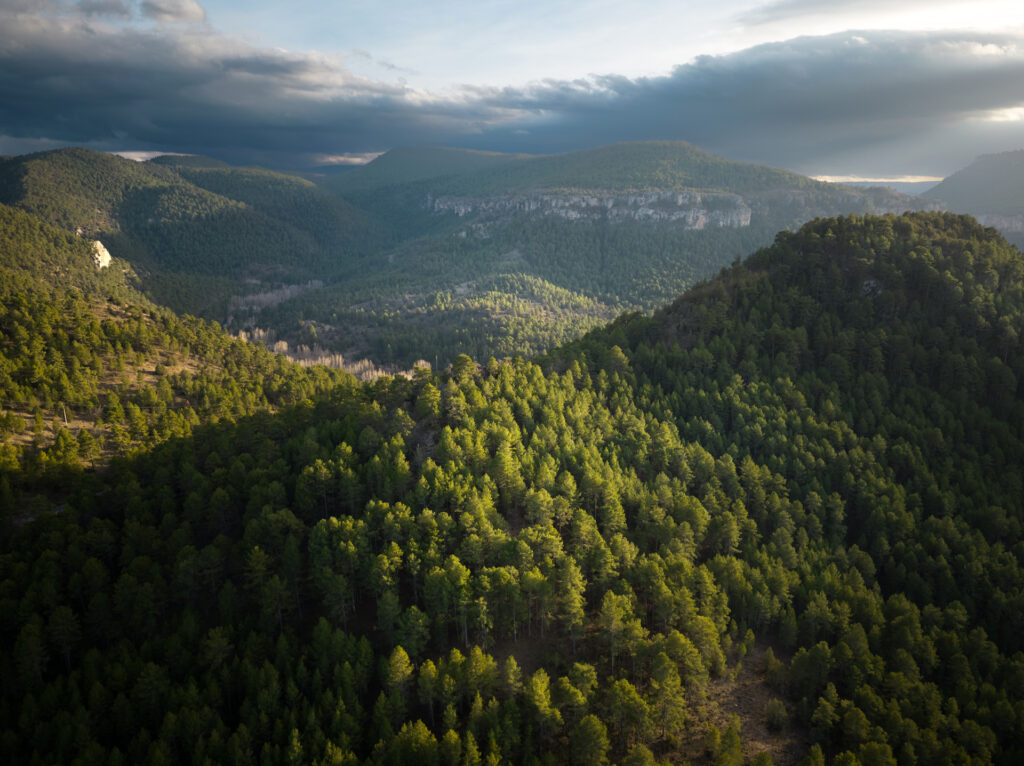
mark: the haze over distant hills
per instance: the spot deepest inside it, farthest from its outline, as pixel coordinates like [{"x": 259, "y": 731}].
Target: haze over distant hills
[
  {"x": 511, "y": 254},
  {"x": 990, "y": 188},
  {"x": 529, "y": 251},
  {"x": 406, "y": 165}
]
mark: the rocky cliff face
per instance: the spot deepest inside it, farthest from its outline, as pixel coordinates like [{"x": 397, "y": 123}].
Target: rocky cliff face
[
  {"x": 794, "y": 207},
  {"x": 692, "y": 209},
  {"x": 1008, "y": 224}
]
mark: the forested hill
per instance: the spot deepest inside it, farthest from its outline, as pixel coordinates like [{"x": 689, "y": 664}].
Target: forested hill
[
  {"x": 196, "y": 231},
  {"x": 780, "y": 519},
  {"x": 426, "y": 253},
  {"x": 670, "y": 165},
  {"x": 874, "y": 366},
  {"x": 90, "y": 369},
  {"x": 993, "y": 183},
  {"x": 37, "y": 257},
  {"x": 470, "y": 181}
]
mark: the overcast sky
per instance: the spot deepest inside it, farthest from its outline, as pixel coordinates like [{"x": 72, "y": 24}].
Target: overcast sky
[{"x": 864, "y": 88}]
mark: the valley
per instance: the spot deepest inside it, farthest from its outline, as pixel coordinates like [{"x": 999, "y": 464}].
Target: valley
[{"x": 429, "y": 253}]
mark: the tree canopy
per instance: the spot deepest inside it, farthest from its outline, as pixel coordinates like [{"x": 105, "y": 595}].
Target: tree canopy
[{"x": 560, "y": 560}]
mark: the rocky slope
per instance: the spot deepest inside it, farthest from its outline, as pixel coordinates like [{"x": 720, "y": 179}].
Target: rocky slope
[
  {"x": 650, "y": 182},
  {"x": 693, "y": 209}
]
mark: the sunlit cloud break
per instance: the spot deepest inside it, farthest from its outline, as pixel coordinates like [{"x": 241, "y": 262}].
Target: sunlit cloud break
[
  {"x": 877, "y": 180},
  {"x": 1013, "y": 114},
  {"x": 350, "y": 158},
  {"x": 143, "y": 156}
]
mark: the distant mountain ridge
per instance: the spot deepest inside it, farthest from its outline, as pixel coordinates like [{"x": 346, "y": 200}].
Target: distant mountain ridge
[
  {"x": 655, "y": 182},
  {"x": 628, "y": 166},
  {"x": 188, "y": 161},
  {"x": 624, "y": 167},
  {"x": 990, "y": 188},
  {"x": 408, "y": 165},
  {"x": 428, "y": 250},
  {"x": 622, "y": 227},
  {"x": 992, "y": 184}
]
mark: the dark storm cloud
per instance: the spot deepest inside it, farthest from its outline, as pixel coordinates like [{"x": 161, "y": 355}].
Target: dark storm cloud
[
  {"x": 801, "y": 103},
  {"x": 111, "y": 8},
  {"x": 158, "y": 10},
  {"x": 827, "y": 104},
  {"x": 195, "y": 91}
]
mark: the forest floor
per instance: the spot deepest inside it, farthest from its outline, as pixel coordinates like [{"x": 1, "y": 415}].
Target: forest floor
[{"x": 745, "y": 693}]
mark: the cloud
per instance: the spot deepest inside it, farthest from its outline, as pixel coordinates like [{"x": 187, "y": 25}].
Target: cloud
[
  {"x": 785, "y": 10},
  {"x": 865, "y": 103},
  {"x": 163, "y": 11},
  {"x": 869, "y": 180},
  {"x": 189, "y": 89},
  {"x": 367, "y": 56},
  {"x": 26, "y": 6},
  {"x": 111, "y": 8},
  {"x": 1012, "y": 114},
  {"x": 142, "y": 156},
  {"x": 173, "y": 10},
  {"x": 861, "y": 97}
]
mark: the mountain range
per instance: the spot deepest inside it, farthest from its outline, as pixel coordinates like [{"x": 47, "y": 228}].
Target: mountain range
[{"x": 427, "y": 252}]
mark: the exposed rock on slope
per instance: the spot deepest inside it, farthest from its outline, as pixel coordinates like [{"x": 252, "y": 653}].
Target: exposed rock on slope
[
  {"x": 695, "y": 210},
  {"x": 100, "y": 255}
]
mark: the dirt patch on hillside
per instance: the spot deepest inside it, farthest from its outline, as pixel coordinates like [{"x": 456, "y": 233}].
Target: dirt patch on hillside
[{"x": 743, "y": 692}]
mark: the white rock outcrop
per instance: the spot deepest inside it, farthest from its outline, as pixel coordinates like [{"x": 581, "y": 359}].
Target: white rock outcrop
[{"x": 100, "y": 255}]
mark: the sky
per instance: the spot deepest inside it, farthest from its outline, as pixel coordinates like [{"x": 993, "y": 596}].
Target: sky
[{"x": 877, "y": 89}]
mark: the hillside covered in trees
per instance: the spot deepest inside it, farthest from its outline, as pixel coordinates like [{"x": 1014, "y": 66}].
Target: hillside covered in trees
[
  {"x": 780, "y": 520},
  {"x": 196, "y": 232},
  {"x": 632, "y": 166},
  {"x": 89, "y": 368},
  {"x": 431, "y": 252}
]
